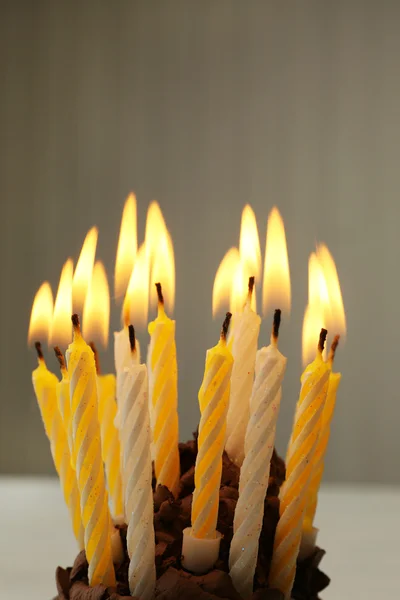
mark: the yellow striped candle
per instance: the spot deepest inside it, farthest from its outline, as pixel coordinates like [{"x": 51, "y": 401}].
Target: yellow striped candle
[
  {"x": 64, "y": 403},
  {"x": 201, "y": 541},
  {"x": 163, "y": 398},
  {"x": 299, "y": 463},
  {"x": 45, "y": 385},
  {"x": 89, "y": 465},
  {"x": 110, "y": 444},
  {"x": 320, "y": 452}
]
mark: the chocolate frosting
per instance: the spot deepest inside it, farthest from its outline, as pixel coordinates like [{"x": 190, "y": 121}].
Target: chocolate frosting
[{"x": 171, "y": 517}]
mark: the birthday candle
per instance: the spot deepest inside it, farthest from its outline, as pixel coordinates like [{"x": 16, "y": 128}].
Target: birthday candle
[
  {"x": 45, "y": 384},
  {"x": 213, "y": 401},
  {"x": 110, "y": 444},
  {"x": 299, "y": 460},
  {"x": 136, "y": 446},
  {"x": 320, "y": 452},
  {"x": 201, "y": 541},
  {"x": 163, "y": 391},
  {"x": 244, "y": 348},
  {"x": 254, "y": 474},
  {"x": 89, "y": 465},
  {"x": 63, "y": 401}
]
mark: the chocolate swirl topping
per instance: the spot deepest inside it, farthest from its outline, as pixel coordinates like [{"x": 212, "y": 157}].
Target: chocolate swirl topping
[{"x": 170, "y": 519}]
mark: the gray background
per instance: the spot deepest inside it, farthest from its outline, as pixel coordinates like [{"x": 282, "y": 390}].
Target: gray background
[{"x": 206, "y": 106}]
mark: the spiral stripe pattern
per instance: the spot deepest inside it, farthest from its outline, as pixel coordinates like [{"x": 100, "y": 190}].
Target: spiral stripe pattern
[
  {"x": 136, "y": 438},
  {"x": 89, "y": 465},
  {"x": 55, "y": 431},
  {"x": 244, "y": 348},
  {"x": 62, "y": 460},
  {"x": 298, "y": 473},
  {"x": 213, "y": 399},
  {"x": 110, "y": 443},
  {"x": 164, "y": 404},
  {"x": 254, "y": 474},
  {"x": 320, "y": 452}
]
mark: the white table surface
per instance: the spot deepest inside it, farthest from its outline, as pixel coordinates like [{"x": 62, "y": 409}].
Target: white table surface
[{"x": 360, "y": 529}]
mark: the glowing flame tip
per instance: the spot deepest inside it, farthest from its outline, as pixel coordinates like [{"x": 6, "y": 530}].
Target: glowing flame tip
[
  {"x": 276, "y": 284},
  {"x": 41, "y": 314}
]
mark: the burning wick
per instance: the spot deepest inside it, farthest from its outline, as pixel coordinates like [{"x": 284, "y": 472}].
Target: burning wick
[
  {"x": 225, "y": 326},
  {"x": 322, "y": 340},
  {"x": 38, "y": 347},
  {"x": 160, "y": 294},
  {"x": 75, "y": 323},
  {"x": 132, "y": 337},
  {"x": 275, "y": 326},
  {"x": 334, "y": 346},
  {"x": 60, "y": 358},
  {"x": 251, "y": 287}
]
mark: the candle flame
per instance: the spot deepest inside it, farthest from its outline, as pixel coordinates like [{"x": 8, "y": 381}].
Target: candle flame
[
  {"x": 312, "y": 323},
  {"x": 249, "y": 246},
  {"x": 127, "y": 247},
  {"x": 84, "y": 269},
  {"x": 325, "y": 304},
  {"x": 96, "y": 310},
  {"x": 276, "y": 283},
  {"x": 337, "y": 316},
  {"x": 136, "y": 303},
  {"x": 317, "y": 286},
  {"x": 155, "y": 224},
  {"x": 61, "y": 330},
  {"x": 41, "y": 315},
  {"x": 160, "y": 256},
  {"x": 231, "y": 281},
  {"x": 225, "y": 281}
]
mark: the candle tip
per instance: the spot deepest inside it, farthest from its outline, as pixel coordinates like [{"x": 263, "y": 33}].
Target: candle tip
[
  {"x": 334, "y": 346},
  {"x": 276, "y": 324},
  {"x": 159, "y": 293},
  {"x": 251, "y": 285},
  {"x": 60, "y": 358},
  {"x": 132, "y": 338},
  {"x": 39, "y": 351},
  {"x": 225, "y": 325},
  {"x": 322, "y": 339},
  {"x": 96, "y": 357}
]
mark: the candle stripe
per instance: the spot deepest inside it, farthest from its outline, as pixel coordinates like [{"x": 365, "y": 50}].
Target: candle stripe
[
  {"x": 254, "y": 474},
  {"x": 89, "y": 466},
  {"x": 298, "y": 472},
  {"x": 110, "y": 444},
  {"x": 55, "y": 431},
  {"x": 136, "y": 439},
  {"x": 213, "y": 399},
  {"x": 320, "y": 452},
  {"x": 67, "y": 473},
  {"x": 164, "y": 402},
  {"x": 244, "y": 348}
]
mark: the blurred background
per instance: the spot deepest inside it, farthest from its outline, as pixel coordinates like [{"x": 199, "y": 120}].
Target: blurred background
[{"x": 206, "y": 107}]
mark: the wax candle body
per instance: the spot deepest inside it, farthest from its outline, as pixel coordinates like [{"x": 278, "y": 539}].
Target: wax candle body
[
  {"x": 45, "y": 385},
  {"x": 89, "y": 465},
  {"x": 163, "y": 391},
  {"x": 213, "y": 399},
  {"x": 254, "y": 474},
  {"x": 244, "y": 348},
  {"x": 110, "y": 444},
  {"x": 320, "y": 452},
  {"x": 299, "y": 459},
  {"x": 64, "y": 405},
  {"x": 136, "y": 440},
  {"x": 123, "y": 355}
]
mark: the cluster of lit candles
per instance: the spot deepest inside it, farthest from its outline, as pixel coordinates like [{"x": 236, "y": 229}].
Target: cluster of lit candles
[{"x": 106, "y": 431}]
